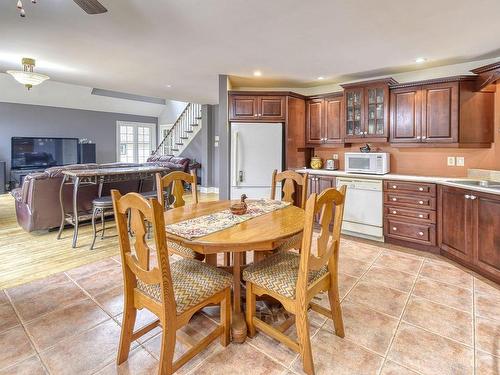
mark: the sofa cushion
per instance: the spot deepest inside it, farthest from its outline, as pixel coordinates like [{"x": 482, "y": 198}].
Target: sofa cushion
[{"x": 17, "y": 194}]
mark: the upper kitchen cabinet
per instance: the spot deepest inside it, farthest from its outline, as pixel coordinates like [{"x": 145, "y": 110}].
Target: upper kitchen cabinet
[
  {"x": 441, "y": 113},
  {"x": 257, "y": 107},
  {"x": 324, "y": 120},
  {"x": 367, "y": 111}
]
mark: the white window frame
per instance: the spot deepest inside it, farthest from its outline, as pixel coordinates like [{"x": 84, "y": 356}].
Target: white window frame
[{"x": 135, "y": 125}]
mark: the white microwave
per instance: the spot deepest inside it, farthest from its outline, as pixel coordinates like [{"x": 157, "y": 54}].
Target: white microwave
[{"x": 367, "y": 162}]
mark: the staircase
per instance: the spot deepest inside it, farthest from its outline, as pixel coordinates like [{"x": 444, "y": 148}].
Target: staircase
[{"x": 177, "y": 138}]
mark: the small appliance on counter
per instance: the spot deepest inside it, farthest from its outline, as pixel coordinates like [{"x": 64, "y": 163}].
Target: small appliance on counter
[
  {"x": 367, "y": 162},
  {"x": 332, "y": 164}
]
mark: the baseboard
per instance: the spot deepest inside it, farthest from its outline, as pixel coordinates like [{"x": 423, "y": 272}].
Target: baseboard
[{"x": 208, "y": 190}]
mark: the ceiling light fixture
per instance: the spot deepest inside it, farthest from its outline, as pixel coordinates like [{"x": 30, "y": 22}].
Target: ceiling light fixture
[
  {"x": 20, "y": 6},
  {"x": 420, "y": 60},
  {"x": 257, "y": 73},
  {"x": 26, "y": 76},
  {"x": 169, "y": 86},
  {"x": 321, "y": 78}
]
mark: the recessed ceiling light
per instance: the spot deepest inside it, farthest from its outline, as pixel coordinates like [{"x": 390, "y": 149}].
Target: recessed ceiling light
[
  {"x": 420, "y": 60},
  {"x": 257, "y": 73},
  {"x": 321, "y": 78},
  {"x": 169, "y": 86}
]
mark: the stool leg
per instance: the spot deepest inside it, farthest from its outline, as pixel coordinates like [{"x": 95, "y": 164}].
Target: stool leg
[
  {"x": 94, "y": 229},
  {"x": 103, "y": 223}
]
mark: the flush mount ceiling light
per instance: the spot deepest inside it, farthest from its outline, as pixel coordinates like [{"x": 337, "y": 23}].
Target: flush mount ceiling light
[
  {"x": 321, "y": 78},
  {"x": 257, "y": 73},
  {"x": 26, "y": 76},
  {"x": 420, "y": 60}
]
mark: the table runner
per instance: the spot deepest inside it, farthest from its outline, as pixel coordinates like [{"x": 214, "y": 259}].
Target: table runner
[{"x": 207, "y": 224}]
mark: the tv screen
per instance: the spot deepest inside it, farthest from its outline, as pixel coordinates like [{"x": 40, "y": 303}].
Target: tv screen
[{"x": 30, "y": 152}]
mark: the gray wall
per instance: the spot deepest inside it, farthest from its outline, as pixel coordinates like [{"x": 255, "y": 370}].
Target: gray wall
[
  {"x": 23, "y": 120},
  {"x": 224, "y": 139}
]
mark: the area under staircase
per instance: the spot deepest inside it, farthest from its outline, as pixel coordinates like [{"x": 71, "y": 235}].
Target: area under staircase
[{"x": 185, "y": 128}]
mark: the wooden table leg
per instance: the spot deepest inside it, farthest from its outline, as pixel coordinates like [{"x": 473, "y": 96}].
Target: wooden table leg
[{"x": 239, "y": 326}]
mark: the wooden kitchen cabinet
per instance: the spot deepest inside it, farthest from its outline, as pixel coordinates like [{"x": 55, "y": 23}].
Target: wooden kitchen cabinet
[
  {"x": 324, "y": 120},
  {"x": 257, "y": 107},
  {"x": 441, "y": 113},
  {"x": 468, "y": 229},
  {"x": 367, "y": 111},
  {"x": 319, "y": 183}
]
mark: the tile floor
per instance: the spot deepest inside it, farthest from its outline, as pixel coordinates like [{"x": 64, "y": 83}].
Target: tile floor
[{"x": 404, "y": 314}]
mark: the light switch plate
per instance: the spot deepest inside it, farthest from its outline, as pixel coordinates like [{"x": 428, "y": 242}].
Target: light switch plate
[
  {"x": 451, "y": 161},
  {"x": 335, "y": 156},
  {"x": 216, "y": 138},
  {"x": 460, "y": 161}
]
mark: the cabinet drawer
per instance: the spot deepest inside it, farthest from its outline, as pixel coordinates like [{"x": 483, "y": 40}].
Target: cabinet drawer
[
  {"x": 411, "y": 231},
  {"x": 412, "y": 201},
  {"x": 410, "y": 187},
  {"x": 394, "y": 212}
]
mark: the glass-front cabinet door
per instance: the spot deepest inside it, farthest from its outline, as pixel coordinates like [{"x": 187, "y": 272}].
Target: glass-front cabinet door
[
  {"x": 354, "y": 113},
  {"x": 376, "y": 117}
]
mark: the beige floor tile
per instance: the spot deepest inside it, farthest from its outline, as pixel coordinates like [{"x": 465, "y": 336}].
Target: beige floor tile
[
  {"x": 429, "y": 353},
  {"x": 99, "y": 277},
  {"x": 111, "y": 300},
  {"x": 15, "y": 347},
  {"x": 391, "y": 368},
  {"x": 30, "y": 366},
  {"x": 446, "y": 294},
  {"x": 440, "y": 319},
  {"x": 57, "y": 325},
  {"x": 488, "y": 335},
  {"x": 352, "y": 267},
  {"x": 8, "y": 317},
  {"x": 279, "y": 351},
  {"x": 333, "y": 355},
  {"x": 358, "y": 250},
  {"x": 139, "y": 362},
  {"x": 486, "y": 287},
  {"x": 239, "y": 359},
  {"x": 488, "y": 305},
  {"x": 84, "y": 353},
  {"x": 446, "y": 273},
  {"x": 3, "y": 297},
  {"x": 399, "y": 261},
  {"x": 40, "y": 297},
  {"x": 199, "y": 327},
  {"x": 378, "y": 297},
  {"x": 143, "y": 318},
  {"x": 390, "y": 277},
  {"x": 487, "y": 364},
  {"x": 366, "y": 327}
]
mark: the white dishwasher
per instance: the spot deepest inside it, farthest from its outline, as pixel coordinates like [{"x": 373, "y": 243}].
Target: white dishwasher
[{"x": 363, "y": 210}]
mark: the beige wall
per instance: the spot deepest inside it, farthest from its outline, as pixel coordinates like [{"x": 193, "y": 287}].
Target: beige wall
[{"x": 433, "y": 161}]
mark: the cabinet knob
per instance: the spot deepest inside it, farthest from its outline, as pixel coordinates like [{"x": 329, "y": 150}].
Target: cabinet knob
[
  {"x": 467, "y": 196},
  {"x": 420, "y": 189},
  {"x": 420, "y": 233},
  {"x": 420, "y": 202},
  {"x": 424, "y": 137},
  {"x": 420, "y": 216},
  {"x": 394, "y": 229},
  {"x": 473, "y": 197},
  {"x": 394, "y": 186},
  {"x": 394, "y": 212},
  {"x": 394, "y": 199},
  {"x": 256, "y": 115},
  {"x": 418, "y": 137}
]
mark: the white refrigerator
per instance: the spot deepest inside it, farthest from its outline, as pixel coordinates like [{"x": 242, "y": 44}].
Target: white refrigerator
[{"x": 256, "y": 151}]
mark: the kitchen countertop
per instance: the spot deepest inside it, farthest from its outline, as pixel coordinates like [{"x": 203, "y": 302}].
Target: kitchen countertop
[{"x": 448, "y": 181}]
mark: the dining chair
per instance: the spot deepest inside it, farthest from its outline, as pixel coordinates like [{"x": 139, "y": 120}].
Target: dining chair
[
  {"x": 295, "y": 279},
  {"x": 294, "y": 190},
  {"x": 173, "y": 292},
  {"x": 176, "y": 181}
]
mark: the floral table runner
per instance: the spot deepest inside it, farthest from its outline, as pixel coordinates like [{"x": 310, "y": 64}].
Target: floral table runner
[{"x": 207, "y": 224}]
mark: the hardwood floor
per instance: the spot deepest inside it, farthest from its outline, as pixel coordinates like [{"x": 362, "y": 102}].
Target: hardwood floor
[{"x": 26, "y": 256}]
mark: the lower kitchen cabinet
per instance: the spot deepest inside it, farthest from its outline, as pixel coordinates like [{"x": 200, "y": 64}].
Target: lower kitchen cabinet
[
  {"x": 469, "y": 229},
  {"x": 319, "y": 183}
]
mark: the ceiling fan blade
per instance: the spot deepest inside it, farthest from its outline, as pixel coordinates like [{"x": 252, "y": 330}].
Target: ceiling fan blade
[{"x": 91, "y": 6}]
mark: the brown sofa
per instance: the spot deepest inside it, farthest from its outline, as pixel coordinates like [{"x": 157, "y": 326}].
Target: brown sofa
[{"x": 37, "y": 200}]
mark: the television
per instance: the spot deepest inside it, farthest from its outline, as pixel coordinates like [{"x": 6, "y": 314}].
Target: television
[{"x": 41, "y": 152}]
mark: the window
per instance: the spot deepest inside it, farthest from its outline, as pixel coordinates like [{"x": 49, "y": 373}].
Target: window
[{"x": 135, "y": 141}]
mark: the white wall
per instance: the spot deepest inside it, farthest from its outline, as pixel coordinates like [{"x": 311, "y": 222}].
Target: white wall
[{"x": 171, "y": 112}]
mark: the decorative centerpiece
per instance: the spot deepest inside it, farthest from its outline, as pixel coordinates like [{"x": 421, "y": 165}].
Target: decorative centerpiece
[
  {"x": 316, "y": 162},
  {"x": 239, "y": 208}
]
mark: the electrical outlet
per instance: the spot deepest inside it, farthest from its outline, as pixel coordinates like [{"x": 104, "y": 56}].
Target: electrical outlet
[
  {"x": 460, "y": 161},
  {"x": 451, "y": 161},
  {"x": 335, "y": 156}
]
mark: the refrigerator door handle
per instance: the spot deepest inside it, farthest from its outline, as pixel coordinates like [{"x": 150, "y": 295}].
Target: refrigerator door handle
[{"x": 235, "y": 164}]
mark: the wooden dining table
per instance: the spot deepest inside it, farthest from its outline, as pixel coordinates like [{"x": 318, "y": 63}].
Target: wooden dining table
[{"x": 261, "y": 233}]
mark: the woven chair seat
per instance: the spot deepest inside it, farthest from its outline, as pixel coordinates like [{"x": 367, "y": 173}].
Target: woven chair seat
[
  {"x": 193, "y": 282},
  {"x": 279, "y": 273},
  {"x": 293, "y": 242},
  {"x": 183, "y": 251}
]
